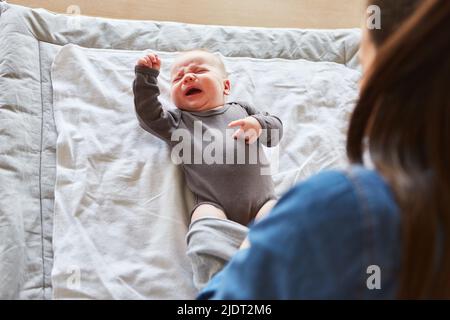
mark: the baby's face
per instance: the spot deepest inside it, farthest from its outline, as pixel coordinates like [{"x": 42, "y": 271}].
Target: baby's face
[{"x": 198, "y": 82}]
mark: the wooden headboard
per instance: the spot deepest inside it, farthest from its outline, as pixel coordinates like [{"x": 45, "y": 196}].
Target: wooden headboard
[{"x": 324, "y": 14}]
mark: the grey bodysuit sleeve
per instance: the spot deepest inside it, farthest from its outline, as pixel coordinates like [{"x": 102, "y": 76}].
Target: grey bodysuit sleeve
[
  {"x": 272, "y": 125},
  {"x": 150, "y": 113}
]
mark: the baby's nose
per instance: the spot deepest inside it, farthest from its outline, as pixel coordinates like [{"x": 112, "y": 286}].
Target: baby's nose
[{"x": 188, "y": 78}]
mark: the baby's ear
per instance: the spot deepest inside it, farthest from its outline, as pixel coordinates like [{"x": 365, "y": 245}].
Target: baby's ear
[{"x": 226, "y": 87}]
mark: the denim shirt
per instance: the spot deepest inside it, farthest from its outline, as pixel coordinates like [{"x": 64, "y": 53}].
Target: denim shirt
[{"x": 335, "y": 236}]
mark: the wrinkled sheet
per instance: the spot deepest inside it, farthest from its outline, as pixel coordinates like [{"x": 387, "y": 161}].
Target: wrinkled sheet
[
  {"x": 122, "y": 207},
  {"x": 29, "y": 41}
]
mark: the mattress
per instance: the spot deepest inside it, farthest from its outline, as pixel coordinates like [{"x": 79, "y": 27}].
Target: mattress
[{"x": 91, "y": 206}]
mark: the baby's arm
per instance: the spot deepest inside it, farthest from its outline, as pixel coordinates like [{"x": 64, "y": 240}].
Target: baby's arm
[
  {"x": 150, "y": 113},
  {"x": 251, "y": 127}
]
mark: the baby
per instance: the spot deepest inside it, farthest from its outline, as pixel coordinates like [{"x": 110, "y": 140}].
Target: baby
[{"x": 199, "y": 84}]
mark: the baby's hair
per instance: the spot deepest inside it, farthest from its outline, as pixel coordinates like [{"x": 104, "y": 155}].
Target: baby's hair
[{"x": 216, "y": 57}]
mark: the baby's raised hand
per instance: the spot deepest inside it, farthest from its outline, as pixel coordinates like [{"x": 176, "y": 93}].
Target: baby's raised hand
[
  {"x": 151, "y": 60},
  {"x": 250, "y": 129}
]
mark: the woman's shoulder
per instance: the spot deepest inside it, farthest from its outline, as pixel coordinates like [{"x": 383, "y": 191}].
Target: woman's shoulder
[
  {"x": 350, "y": 178},
  {"x": 338, "y": 224},
  {"x": 337, "y": 205},
  {"x": 354, "y": 191}
]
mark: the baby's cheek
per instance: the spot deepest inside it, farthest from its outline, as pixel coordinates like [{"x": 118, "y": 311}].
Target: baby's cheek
[
  {"x": 176, "y": 97},
  {"x": 173, "y": 93}
]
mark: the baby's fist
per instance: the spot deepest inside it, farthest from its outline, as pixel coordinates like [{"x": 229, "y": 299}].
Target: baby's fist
[{"x": 151, "y": 60}]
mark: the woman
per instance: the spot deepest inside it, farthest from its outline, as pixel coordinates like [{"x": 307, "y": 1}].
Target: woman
[{"x": 365, "y": 234}]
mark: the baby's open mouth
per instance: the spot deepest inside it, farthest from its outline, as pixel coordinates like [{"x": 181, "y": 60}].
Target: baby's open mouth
[{"x": 193, "y": 91}]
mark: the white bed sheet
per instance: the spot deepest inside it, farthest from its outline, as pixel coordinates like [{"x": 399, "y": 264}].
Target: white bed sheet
[{"x": 121, "y": 206}]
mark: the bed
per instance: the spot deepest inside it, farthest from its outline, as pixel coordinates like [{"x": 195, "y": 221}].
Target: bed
[{"x": 91, "y": 207}]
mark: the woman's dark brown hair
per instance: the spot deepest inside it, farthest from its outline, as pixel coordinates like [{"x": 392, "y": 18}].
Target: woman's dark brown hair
[{"x": 404, "y": 112}]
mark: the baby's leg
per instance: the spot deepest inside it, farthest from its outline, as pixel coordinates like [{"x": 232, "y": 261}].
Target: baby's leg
[
  {"x": 211, "y": 243},
  {"x": 207, "y": 210},
  {"x": 265, "y": 209}
]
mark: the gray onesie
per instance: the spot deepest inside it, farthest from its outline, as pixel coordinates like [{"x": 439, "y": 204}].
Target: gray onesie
[{"x": 232, "y": 182}]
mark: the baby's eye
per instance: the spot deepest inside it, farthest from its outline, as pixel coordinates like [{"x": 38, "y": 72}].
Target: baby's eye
[
  {"x": 176, "y": 79},
  {"x": 201, "y": 71}
]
